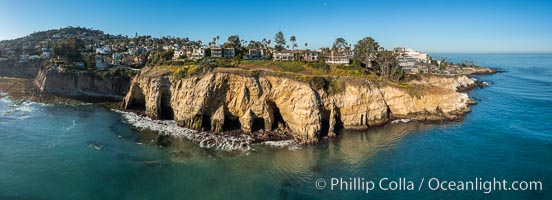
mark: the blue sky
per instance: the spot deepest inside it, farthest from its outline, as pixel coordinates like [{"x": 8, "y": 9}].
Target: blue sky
[{"x": 430, "y": 26}]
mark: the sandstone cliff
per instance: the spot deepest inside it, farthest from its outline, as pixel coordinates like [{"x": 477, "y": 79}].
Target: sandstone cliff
[
  {"x": 83, "y": 85},
  {"x": 219, "y": 101}
]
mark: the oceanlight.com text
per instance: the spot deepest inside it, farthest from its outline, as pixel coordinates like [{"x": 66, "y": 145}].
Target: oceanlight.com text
[{"x": 434, "y": 184}]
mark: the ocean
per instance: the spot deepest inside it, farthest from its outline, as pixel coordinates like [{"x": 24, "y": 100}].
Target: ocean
[{"x": 63, "y": 151}]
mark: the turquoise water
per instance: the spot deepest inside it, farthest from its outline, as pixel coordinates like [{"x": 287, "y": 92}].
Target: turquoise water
[{"x": 88, "y": 152}]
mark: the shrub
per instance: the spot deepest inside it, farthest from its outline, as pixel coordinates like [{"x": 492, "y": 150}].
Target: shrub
[
  {"x": 417, "y": 77},
  {"x": 255, "y": 73},
  {"x": 318, "y": 83},
  {"x": 320, "y": 65},
  {"x": 186, "y": 71},
  {"x": 290, "y": 66},
  {"x": 335, "y": 86},
  {"x": 415, "y": 92}
]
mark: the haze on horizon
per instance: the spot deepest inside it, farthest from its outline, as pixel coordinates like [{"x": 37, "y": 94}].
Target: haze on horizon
[{"x": 429, "y": 26}]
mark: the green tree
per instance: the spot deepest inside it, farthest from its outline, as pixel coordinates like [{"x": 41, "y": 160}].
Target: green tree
[
  {"x": 280, "y": 41},
  {"x": 215, "y": 40},
  {"x": 266, "y": 43},
  {"x": 388, "y": 66},
  {"x": 366, "y": 50},
  {"x": 292, "y": 39},
  {"x": 255, "y": 45},
  {"x": 167, "y": 55},
  {"x": 339, "y": 43},
  {"x": 306, "y": 46},
  {"x": 70, "y": 49},
  {"x": 233, "y": 42},
  {"x": 90, "y": 60}
]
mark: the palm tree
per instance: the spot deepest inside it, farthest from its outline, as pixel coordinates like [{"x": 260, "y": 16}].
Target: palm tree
[
  {"x": 292, "y": 39},
  {"x": 306, "y": 45}
]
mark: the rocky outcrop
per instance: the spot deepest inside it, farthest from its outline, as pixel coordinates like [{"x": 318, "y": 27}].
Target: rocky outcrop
[
  {"x": 218, "y": 101},
  {"x": 83, "y": 85}
]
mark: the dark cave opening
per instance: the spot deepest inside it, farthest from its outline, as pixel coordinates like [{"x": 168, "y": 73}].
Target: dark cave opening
[
  {"x": 258, "y": 124},
  {"x": 278, "y": 119},
  {"x": 206, "y": 122},
  {"x": 231, "y": 123},
  {"x": 325, "y": 123},
  {"x": 325, "y": 129},
  {"x": 138, "y": 101},
  {"x": 166, "y": 112},
  {"x": 137, "y": 104},
  {"x": 338, "y": 126}
]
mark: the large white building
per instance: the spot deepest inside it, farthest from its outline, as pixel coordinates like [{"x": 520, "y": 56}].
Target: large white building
[{"x": 408, "y": 57}]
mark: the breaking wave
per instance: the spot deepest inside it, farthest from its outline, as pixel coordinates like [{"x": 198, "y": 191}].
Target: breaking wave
[
  {"x": 204, "y": 139},
  {"x": 291, "y": 144},
  {"x": 400, "y": 120},
  {"x": 20, "y": 109}
]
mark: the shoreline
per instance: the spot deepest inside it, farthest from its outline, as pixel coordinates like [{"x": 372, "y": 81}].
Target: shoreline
[
  {"x": 226, "y": 141},
  {"x": 22, "y": 88}
]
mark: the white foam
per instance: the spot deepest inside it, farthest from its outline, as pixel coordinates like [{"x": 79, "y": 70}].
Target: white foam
[
  {"x": 291, "y": 144},
  {"x": 400, "y": 120},
  {"x": 5, "y": 98},
  {"x": 204, "y": 139},
  {"x": 27, "y": 106},
  {"x": 21, "y": 108},
  {"x": 73, "y": 124}
]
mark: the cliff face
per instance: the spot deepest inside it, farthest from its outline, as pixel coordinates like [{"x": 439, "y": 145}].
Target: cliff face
[
  {"x": 19, "y": 70},
  {"x": 223, "y": 101},
  {"x": 87, "y": 86}
]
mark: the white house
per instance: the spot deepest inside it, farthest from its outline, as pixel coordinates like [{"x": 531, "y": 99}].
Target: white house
[
  {"x": 178, "y": 54},
  {"x": 116, "y": 58},
  {"x": 256, "y": 54},
  {"x": 310, "y": 56},
  {"x": 198, "y": 53},
  {"x": 100, "y": 64},
  {"x": 216, "y": 52},
  {"x": 103, "y": 50},
  {"x": 340, "y": 56},
  {"x": 34, "y": 57},
  {"x": 284, "y": 55},
  {"x": 46, "y": 54}
]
